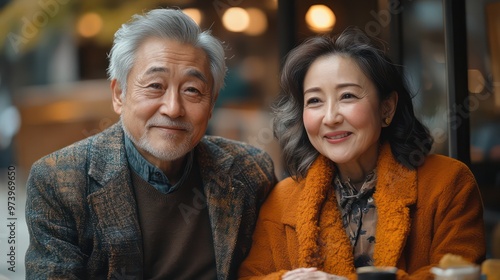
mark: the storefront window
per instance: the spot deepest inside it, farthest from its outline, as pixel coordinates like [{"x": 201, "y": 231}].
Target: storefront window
[{"x": 483, "y": 31}]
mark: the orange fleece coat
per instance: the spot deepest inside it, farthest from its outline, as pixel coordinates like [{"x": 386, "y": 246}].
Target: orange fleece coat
[{"x": 422, "y": 215}]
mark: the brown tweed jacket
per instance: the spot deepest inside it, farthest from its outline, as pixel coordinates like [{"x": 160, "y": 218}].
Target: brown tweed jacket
[{"x": 82, "y": 217}]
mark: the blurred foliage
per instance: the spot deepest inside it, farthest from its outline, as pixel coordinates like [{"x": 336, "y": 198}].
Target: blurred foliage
[{"x": 24, "y": 23}]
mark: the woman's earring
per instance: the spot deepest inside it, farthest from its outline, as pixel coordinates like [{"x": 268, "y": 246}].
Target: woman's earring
[{"x": 387, "y": 121}]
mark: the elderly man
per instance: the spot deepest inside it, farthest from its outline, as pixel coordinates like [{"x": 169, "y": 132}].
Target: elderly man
[{"x": 150, "y": 197}]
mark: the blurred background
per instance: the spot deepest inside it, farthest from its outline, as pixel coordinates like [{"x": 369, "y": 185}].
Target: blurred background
[{"x": 54, "y": 90}]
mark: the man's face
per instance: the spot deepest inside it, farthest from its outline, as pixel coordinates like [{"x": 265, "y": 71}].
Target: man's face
[{"x": 168, "y": 100}]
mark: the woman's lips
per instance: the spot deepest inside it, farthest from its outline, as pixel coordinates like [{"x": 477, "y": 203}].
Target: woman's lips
[{"x": 337, "y": 137}]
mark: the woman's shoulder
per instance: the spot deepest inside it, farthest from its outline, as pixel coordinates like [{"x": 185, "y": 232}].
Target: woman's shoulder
[
  {"x": 437, "y": 162},
  {"x": 443, "y": 170},
  {"x": 284, "y": 191},
  {"x": 281, "y": 199}
]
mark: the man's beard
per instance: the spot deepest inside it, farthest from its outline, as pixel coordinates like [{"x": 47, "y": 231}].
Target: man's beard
[{"x": 144, "y": 143}]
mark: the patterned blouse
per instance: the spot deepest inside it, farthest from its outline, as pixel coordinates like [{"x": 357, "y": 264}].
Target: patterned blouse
[{"x": 359, "y": 216}]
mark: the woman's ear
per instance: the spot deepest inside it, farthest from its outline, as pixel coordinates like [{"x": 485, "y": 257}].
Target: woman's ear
[{"x": 389, "y": 106}]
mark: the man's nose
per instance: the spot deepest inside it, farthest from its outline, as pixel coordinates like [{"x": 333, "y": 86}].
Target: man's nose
[{"x": 171, "y": 103}]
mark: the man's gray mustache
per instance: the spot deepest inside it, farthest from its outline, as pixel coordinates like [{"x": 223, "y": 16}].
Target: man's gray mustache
[{"x": 168, "y": 123}]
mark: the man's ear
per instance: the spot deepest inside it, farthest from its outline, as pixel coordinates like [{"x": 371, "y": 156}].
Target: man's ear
[
  {"x": 214, "y": 100},
  {"x": 116, "y": 95}
]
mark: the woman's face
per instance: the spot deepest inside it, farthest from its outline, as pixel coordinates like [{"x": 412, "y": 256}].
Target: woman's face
[{"x": 342, "y": 112}]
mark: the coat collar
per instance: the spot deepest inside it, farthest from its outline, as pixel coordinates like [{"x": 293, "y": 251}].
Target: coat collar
[
  {"x": 224, "y": 196},
  {"x": 395, "y": 193},
  {"x": 112, "y": 200}
]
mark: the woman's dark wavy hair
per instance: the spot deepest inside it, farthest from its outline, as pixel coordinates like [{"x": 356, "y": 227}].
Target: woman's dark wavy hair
[{"x": 410, "y": 140}]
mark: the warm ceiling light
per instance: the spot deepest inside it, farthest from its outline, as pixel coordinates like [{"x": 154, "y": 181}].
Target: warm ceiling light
[
  {"x": 274, "y": 4},
  {"x": 258, "y": 22},
  {"x": 194, "y": 13},
  {"x": 320, "y": 18},
  {"x": 89, "y": 25},
  {"x": 236, "y": 19}
]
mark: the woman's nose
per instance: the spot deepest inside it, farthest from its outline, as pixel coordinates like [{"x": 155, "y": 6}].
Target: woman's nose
[{"x": 333, "y": 115}]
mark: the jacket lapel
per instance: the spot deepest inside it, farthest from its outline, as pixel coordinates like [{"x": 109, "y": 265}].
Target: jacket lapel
[
  {"x": 317, "y": 195},
  {"x": 112, "y": 201},
  {"x": 224, "y": 200},
  {"x": 309, "y": 205},
  {"x": 395, "y": 192}
]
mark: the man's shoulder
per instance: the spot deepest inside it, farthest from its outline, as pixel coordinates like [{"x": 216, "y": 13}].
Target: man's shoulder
[
  {"x": 76, "y": 153},
  {"x": 222, "y": 154},
  {"x": 230, "y": 146}
]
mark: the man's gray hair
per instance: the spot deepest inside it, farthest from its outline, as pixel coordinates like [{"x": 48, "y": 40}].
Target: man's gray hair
[{"x": 170, "y": 24}]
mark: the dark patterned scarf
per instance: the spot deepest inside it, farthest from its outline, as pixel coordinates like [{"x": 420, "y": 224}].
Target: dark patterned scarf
[{"x": 359, "y": 216}]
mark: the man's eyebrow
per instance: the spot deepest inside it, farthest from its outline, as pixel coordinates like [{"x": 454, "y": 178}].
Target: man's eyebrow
[
  {"x": 197, "y": 74},
  {"x": 191, "y": 72},
  {"x": 155, "y": 69}
]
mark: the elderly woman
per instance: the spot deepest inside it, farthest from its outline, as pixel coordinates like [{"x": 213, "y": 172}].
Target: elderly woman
[{"x": 363, "y": 189}]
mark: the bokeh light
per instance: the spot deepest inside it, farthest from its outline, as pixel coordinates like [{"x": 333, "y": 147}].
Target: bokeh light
[
  {"x": 195, "y": 14},
  {"x": 476, "y": 81},
  {"x": 258, "y": 22},
  {"x": 236, "y": 19},
  {"x": 320, "y": 18},
  {"x": 89, "y": 25}
]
